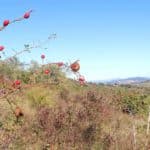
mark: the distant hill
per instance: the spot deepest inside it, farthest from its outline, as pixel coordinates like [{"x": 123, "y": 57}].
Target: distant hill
[{"x": 131, "y": 80}]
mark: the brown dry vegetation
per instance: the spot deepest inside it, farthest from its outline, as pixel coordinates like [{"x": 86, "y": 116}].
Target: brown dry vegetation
[{"x": 67, "y": 116}]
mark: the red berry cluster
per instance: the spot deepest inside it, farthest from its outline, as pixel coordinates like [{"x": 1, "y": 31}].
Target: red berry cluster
[{"x": 75, "y": 67}]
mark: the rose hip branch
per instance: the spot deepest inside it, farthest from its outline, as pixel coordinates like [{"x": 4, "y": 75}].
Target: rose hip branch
[{"x": 7, "y": 22}]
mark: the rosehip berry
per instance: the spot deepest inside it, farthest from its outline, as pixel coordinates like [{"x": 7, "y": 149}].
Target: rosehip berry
[
  {"x": 5, "y": 23},
  {"x": 26, "y": 15},
  {"x": 17, "y": 82},
  {"x": 81, "y": 79},
  {"x": 18, "y": 112},
  {"x": 2, "y": 48},
  {"x": 75, "y": 66},
  {"x": 47, "y": 71},
  {"x": 42, "y": 56}
]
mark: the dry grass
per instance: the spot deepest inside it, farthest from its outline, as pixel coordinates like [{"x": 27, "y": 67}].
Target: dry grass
[{"x": 70, "y": 117}]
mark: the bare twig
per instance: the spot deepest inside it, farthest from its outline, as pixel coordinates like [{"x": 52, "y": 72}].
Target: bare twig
[
  {"x": 7, "y": 94},
  {"x": 28, "y": 48}
]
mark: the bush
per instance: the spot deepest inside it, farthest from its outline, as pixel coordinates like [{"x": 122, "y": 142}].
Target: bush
[
  {"x": 39, "y": 96},
  {"x": 135, "y": 104}
]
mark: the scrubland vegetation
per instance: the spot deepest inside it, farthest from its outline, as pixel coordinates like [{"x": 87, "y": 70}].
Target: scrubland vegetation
[
  {"x": 42, "y": 109},
  {"x": 59, "y": 113}
]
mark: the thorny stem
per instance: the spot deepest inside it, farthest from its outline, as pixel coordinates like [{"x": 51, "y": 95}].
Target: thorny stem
[
  {"x": 27, "y": 49},
  {"x": 17, "y": 53}
]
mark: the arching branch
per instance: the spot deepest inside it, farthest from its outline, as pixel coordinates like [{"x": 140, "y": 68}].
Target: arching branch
[{"x": 25, "y": 16}]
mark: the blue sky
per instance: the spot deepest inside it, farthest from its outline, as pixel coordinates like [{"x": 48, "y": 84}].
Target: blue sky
[{"x": 110, "y": 37}]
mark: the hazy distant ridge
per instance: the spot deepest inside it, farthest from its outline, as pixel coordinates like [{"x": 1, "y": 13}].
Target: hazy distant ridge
[{"x": 131, "y": 80}]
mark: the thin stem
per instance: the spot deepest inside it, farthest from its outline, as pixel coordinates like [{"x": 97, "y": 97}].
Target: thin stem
[{"x": 147, "y": 130}]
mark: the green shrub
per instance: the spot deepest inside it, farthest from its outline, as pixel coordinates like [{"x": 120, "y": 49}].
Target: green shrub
[
  {"x": 135, "y": 104},
  {"x": 38, "y": 96}
]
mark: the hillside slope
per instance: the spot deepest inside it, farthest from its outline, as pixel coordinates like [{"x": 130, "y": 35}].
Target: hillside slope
[{"x": 59, "y": 113}]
